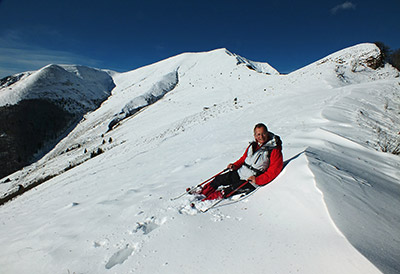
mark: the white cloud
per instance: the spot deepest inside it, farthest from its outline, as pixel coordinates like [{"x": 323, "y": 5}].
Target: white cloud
[
  {"x": 345, "y": 6},
  {"x": 15, "y": 60},
  {"x": 17, "y": 56}
]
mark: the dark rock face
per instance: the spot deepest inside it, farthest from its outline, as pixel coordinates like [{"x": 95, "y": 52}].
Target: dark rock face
[
  {"x": 375, "y": 63},
  {"x": 50, "y": 101},
  {"x": 9, "y": 80},
  {"x": 26, "y": 129}
]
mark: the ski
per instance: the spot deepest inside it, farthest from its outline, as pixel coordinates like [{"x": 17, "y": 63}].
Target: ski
[
  {"x": 190, "y": 190},
  {"x": 241, "y": 197},
  {"x": 211, "y": 206}
]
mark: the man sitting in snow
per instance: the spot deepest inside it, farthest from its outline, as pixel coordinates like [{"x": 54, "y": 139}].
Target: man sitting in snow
[{"x": 259, "y": 165}]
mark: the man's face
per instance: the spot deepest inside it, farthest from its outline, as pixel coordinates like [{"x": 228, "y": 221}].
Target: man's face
[{"x": 261, "y": 135}]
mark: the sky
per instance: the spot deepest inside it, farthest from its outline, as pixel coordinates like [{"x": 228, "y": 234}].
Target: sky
[{"x": 123, "y": 35}]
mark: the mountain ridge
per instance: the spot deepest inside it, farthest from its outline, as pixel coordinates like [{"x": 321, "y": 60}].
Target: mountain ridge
[{"x": 30, "y": 103}]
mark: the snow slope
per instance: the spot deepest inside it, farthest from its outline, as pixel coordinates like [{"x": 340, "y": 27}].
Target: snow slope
[
  {"x": 78, "y": 89},
  {"x": 38, "y": 109},
  {"x": 333, "y": 209}
]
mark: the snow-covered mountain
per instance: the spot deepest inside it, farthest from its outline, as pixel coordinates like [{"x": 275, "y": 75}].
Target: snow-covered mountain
[
  {"x": 103, "y": 201},
  {"x": 38, "y": 108},
  {"x": 77, "y": 89}
]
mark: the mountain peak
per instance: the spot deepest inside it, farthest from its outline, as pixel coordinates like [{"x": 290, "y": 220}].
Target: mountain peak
[
  {"x": 355, "y": 64},
  {"x": 80, "y": 85}
]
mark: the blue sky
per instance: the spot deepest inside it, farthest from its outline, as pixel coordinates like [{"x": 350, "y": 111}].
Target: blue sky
[{"x": 123, "y": 35}]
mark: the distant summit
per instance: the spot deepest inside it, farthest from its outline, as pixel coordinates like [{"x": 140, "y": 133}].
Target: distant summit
[
  {"x": 356, "y": 64},
  {"x": 37, "y": 108},
  {"x": 76, "y": 89},
  {"x": 256, "y": 66}
]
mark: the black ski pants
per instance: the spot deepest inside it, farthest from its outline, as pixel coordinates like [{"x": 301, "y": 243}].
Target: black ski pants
[{"x": 232, "y": 181}]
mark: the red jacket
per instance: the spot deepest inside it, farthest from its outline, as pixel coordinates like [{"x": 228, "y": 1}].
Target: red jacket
[{"x": 275, "y": 166}]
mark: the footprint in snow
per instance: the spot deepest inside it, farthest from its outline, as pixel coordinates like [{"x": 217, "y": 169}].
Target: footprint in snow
[
  {"x": 119, "y": 257},
  {"x": 102, "y": 243},
  {"x": 188, "y": 210},
  {"x": 149, "y": 225},
  {"x": 195, "y": 206}
]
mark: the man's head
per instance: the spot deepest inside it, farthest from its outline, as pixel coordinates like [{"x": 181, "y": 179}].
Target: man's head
[{"x": 261, "y": 134}]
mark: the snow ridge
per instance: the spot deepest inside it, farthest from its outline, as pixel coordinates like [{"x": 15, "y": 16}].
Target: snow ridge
[
  {"x": 256, "y": 66},
  {"x": 357, "y": 64},
  {"x": 156, "y": 92},
  {"x": 77, "y": 89}
]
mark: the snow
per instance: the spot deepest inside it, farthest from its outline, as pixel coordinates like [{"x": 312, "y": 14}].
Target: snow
[
  {"x": 333, "y": 209},
  {"x": 157, "y": 91},
  {"x": 79, "y": 88}
]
